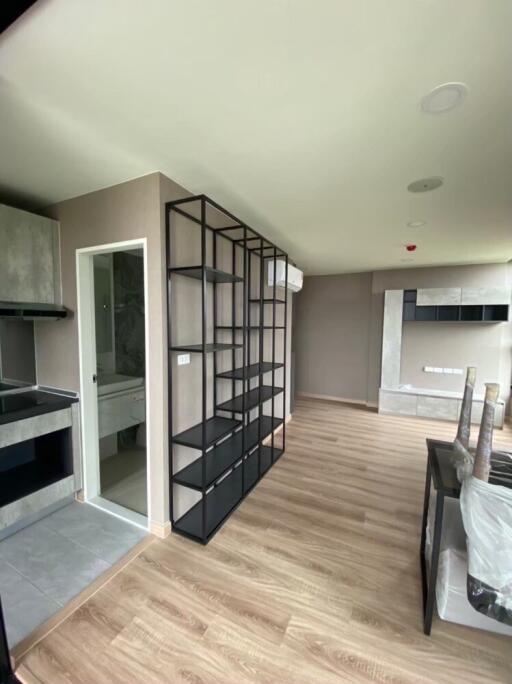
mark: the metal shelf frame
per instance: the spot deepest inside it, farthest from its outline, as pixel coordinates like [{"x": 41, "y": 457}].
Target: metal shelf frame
[{"x": 229, "y": 466}]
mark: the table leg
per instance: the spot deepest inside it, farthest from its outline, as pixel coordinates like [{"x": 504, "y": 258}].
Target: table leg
[{"x": 430, "y": 595}]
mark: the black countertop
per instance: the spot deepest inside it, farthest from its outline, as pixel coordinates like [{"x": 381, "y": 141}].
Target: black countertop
[{"x": 31, "y": 403}]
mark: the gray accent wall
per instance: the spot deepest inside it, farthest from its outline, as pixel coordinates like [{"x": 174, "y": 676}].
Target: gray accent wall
[
  {"x": 331, "y": 335},
  {"x": 338, "y": 356}
]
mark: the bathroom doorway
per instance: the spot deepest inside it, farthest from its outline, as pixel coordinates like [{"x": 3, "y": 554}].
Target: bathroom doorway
[{"x": 113, "y": 340}]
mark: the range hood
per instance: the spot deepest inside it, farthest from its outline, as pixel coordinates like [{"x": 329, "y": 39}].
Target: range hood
[{"x": 31, "y": 311}]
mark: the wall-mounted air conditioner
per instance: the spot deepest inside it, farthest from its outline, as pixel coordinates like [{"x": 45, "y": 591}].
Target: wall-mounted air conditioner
[{"x": 294, "y": 275}]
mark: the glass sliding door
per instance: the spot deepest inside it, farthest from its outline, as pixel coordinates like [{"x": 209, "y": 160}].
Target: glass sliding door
[{"x": 120, "y": 375}]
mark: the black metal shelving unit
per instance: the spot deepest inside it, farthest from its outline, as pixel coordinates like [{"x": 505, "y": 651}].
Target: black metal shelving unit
[{"x": 235, "y": 441}]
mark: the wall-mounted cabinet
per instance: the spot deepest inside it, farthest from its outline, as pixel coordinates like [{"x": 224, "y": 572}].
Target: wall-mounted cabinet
[
  {"x": 29, "y": 257},
  {"x": 419, "y": 306}
]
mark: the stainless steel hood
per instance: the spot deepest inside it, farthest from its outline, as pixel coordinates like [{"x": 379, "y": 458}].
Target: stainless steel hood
[{"x": 32, "y": 311}]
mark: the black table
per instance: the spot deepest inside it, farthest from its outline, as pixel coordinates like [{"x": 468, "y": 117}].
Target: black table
[{"x": 442, "y": 473}]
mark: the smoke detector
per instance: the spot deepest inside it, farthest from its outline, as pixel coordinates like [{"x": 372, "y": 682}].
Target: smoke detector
[{"x": 425, "y": 184}]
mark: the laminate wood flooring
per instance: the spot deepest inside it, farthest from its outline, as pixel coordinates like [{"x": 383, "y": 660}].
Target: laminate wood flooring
[{"x": 314, "y": 579}]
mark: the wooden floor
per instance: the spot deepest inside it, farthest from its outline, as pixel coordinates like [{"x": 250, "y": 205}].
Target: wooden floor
[{"x": 315, "y": 579}]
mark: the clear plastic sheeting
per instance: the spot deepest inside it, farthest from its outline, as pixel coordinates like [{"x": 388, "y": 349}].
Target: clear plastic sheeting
[
  {"x": 452, "y": 596},
  {"x": 452, "y": 533},
  {"x": 487, "y": 515}
]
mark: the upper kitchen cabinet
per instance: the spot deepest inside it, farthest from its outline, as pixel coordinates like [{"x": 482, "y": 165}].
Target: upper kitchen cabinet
[{"x": 29, "y": 257}]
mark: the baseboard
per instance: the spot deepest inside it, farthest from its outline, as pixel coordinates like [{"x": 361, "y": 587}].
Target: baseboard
[
  {"x": 55, "y": 620},
  {"x": 341, "y": 400},
  {"x": 160, "y": 530}
]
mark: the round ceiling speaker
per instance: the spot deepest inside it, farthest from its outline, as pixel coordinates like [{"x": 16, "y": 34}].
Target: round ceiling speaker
[
  {"x": 425, "y": 184},
  {"x": 444, "y": 97}
]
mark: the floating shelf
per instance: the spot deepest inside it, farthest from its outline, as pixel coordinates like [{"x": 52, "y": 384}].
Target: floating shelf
[
  {"x": 210, "y": 347},
  {"x": 252, "y": 399},
  {"x": 224, "y": 456},
  {"x": 251, "y": 371},
  {"x": 213, "y": 275},
  {"x": 216, "y": 428}
]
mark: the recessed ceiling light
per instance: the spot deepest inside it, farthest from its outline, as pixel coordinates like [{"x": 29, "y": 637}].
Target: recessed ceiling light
[
  {"x": 416, "y": 224},
  {"x": 425, "y": 184},
  {"x": 444, "y": 97}
]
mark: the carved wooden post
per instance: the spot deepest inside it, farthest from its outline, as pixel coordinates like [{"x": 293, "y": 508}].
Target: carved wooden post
[{"x": 482, "y": 466}]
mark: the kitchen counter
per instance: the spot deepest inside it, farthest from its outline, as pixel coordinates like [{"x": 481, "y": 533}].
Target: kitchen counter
[
  {"x": 26, "y": 404},
  {"x": 40, "y": 458}
]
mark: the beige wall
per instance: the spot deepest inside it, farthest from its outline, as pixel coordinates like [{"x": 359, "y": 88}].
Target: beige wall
[
  {"x": 128, "y": 211},
  {"x": 331, "y": 333},
  {"x": 123, "y": 212},
  {"x": 333, "y": 366}
]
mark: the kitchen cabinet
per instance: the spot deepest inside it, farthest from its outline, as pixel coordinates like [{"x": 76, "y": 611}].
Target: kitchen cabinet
[{"x": 29, "y": 257}]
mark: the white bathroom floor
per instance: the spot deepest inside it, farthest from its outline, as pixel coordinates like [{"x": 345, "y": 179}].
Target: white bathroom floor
[{"x": 124, "y": 479}]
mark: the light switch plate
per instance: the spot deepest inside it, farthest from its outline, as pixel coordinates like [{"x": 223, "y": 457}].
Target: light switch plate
[{"x": 183, "y": 359}]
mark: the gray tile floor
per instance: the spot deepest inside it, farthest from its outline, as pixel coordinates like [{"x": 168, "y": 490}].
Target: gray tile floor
[{"x": 45, "y": 565}]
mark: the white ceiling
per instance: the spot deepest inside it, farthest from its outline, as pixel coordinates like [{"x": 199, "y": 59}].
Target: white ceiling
[{"x": 300, "y": 116}]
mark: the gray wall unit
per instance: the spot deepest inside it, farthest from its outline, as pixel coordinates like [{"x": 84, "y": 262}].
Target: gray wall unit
[
  {"x": 337, "y": 353},
  {"x": 29, "y": 257},
  {"x": 438, "y": 406},
  {"x": 17, "y": 351},
  {"x": 436, "y": 348}
]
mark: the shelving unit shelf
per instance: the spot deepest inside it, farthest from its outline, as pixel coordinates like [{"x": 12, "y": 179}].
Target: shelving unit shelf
[{"x": 239, "y": 430}]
